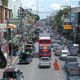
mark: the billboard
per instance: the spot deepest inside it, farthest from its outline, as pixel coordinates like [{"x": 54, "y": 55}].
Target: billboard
[
  {"x": 2, "y": 29},
  {"x": 67, "y": 27}
]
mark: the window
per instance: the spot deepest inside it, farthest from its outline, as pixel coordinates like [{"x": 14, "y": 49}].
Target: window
[
  {"x": 9, "y": 74},
  {"x": 45, "y": 41}
]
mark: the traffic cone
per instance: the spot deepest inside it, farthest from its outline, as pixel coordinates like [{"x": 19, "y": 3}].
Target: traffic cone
[{"x": 56, "y": 65}]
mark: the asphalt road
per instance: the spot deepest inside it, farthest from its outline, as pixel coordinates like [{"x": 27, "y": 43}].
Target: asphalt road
[{"x": 32, "y": 72}]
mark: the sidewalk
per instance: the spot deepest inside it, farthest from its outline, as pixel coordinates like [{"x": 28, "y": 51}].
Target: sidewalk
[{"x": 14, "y": 58}]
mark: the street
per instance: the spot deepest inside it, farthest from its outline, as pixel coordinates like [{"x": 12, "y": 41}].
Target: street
[
  {"x": 33, "y": 72},
  {"x": 39, "y": 42}
]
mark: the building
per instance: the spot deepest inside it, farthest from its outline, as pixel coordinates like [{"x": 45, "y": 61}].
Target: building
[
  {"x": 5, "y": 15},
  {"x": 14, "y": 5}
]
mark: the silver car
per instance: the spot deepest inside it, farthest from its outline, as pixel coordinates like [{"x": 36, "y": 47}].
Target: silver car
[{"x": 44, "y": 62}]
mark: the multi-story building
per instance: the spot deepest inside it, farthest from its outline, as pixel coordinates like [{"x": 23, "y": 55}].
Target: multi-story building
[
  {"x": 14, "y": 5},
  {"x": 5, "y": 14}
]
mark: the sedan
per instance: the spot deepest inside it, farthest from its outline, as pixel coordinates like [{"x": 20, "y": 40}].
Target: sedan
[{"x": 44, "y": 62}]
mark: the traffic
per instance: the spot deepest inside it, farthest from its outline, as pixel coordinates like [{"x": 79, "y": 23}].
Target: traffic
[{"x": 55, "y": 54}]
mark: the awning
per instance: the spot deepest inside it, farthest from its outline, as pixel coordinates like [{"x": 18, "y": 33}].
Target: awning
[{"x": 11, "y": 26}]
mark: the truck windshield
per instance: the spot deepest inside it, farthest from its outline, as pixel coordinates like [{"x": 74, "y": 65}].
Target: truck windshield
[
  {"x": 9, "y": 74},
  {"x": 24, "y": 56}
]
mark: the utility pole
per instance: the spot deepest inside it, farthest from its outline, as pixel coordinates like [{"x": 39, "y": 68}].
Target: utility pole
[
  {"x": 70, "y": 14},
  {"x": 37, "y": 7}
]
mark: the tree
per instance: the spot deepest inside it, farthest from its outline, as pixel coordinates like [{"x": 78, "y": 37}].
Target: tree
[
  {"x": 58, "y": 21},
  {"x": 37, "y": 17},
  {"x": 5, "y": 2}
]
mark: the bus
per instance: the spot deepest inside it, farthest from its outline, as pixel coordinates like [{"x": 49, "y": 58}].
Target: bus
[{"x": 44, "y": 47}]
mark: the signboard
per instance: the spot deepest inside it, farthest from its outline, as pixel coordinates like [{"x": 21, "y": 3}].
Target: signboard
[
  {"x": 67, "y": 27},
  {"x": 14, "y": 20},
  {"x": 3, "y": 27}
]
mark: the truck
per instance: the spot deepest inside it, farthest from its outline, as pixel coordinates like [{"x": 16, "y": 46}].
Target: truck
[
  {"x": 72, "y": 68},
  {"x": 29, "y": 48},
  {"x": 44, "y": 46},
  {"x": 25, "y": 55}
]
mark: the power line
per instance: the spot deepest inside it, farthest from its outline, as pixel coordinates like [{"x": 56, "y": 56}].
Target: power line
[{"x": 43, "y": 11}]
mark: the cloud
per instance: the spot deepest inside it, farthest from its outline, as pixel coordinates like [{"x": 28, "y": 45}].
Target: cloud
[
  {"x": 67, "y": 0},
  {"x": 13, "y": 0},
  {"x": 55, "y": 6},
  {"x": 29, "y": 4}
]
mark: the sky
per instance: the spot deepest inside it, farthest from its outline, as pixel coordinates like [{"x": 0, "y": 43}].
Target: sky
[{"x": 46, "y": 7}]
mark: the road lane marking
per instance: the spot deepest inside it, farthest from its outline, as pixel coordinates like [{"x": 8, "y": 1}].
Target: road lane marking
[{"x": 14, "y": 60}]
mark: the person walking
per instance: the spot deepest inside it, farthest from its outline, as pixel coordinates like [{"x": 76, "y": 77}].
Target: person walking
[{"x": 56, "y": 65}]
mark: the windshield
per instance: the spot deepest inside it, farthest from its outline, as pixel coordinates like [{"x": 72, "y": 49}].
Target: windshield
[
  {"x": 44, "y": 58},
  {"x": 65, "y": 53},
  {"x": 44, "y": 41},
  {"x": 10, "y": 74},
  {"x": 24, "y": 56}
]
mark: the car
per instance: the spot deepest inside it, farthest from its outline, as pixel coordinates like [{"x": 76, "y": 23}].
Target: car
[
  {"x": 12, "y": 74},
  {"x": 57, "y": 47},
  {"x": 71, "y": 58},
  {"x": 71, "y": 66},
  {"x": 44, "y": 62},
  {"x": 74, "y": 49},
  {"x": 25, "y": 57},
  {"x": 64, "y": 54},
  {"x": 58, "y": 52}
]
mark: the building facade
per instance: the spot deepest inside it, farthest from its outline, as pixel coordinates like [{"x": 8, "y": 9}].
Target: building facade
[{"x": 14, "y": 5}]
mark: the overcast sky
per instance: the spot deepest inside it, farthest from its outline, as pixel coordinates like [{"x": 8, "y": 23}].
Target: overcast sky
[{"x": 46, "y": 7}]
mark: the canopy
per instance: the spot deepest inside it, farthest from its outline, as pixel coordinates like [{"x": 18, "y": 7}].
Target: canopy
[{"x": 11, "y": 26}]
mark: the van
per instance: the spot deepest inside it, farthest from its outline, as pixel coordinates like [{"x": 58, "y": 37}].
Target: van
[{"x": 64, "y": 54}]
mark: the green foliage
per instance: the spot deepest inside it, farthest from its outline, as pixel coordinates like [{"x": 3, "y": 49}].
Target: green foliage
[
  {"x": 37, "y": 17},
  {"x": 5, "y": 2},
  {"x": 58, "y": 17},
  {"x": 66, "y": 11}
]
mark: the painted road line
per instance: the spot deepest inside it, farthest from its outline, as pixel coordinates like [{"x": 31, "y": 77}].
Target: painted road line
[{"x": 14, "y": 60}]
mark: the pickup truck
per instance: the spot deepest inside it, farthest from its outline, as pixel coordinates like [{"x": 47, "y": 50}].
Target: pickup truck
[{"x": 72, "y": 67}]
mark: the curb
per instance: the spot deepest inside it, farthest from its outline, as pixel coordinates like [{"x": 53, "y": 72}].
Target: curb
[{"x": 14, "y": 60}]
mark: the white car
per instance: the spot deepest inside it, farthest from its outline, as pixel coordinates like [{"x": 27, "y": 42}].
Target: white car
[
  {"x": 44, "y": 62},
  {"x": 64, "y": 54}
]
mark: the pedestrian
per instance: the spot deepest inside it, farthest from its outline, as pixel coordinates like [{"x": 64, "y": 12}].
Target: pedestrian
[{"x": 56, "y": 65}]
